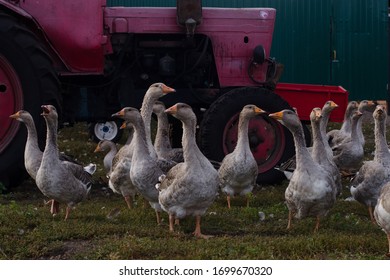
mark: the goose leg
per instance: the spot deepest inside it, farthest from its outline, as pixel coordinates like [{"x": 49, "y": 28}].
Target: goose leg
[
  {"x": 67, "y": 212},
  {"x": 158, "y": 216},
  {"x": 228, "y": 200},
  {"x": 317, "y": 224},
  {"x": 247, "y": 201},
  {"x": 54, "y": 209},
  {"x": 371, "y": 215},
  {"x": 197, "y": 231},
  {"x": 289, "y": 219},
  {"x": 388, "y": 239},
  {"x": 177, "y": 222},
  {"x": 171, "y": 219},
  {"x": 129, "y": 201}
]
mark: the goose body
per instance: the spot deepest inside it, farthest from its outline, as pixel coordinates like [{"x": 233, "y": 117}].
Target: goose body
[
  {"x": 238, "y": 170},
  {"x": 349, "y": 154},
  {"x": 33, "y": 156},
  {"x": 370, "y": 178},
  {"x": 57, "y": 179},
  {"x": 311, "y": 190},
  {"x": 162, "y": 142},
  {"x": 110, "y": 149},
  {"x": 120, "y": 180},
  {"x": 336, "y": 136},
  {"x": 144, "y": 171},
  {"x": 382, "y": 212},
  {"x": 190, "y": 187}
]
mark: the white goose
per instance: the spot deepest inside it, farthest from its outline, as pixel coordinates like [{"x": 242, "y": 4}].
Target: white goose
[
  {"x": 238, "y": 171},
  {"x": 55, "y": 178},
  {"x": 311, "y": 190},
  {"x": 190, "y": 187}
]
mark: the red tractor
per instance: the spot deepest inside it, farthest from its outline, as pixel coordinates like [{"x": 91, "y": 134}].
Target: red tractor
[{"x": 89, "y": 60}]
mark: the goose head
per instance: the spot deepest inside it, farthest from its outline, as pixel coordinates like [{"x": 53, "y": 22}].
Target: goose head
[
  {"x": 380, "y": 113},
  {"x": 288, "y": 118},
  {"x": 158, "y": 108},
  {"x": 181, "y": 111},
  {"x": 316, "y": 115},
  {"x": 129, "y": 114},
  {"x": 21, "y": 116},
  {"x": 329, "y": 106},
  {"x": 102, "y": 146},
  {"x": 351, "y": 107},
  {"x": 366, "y": 105},
  {"x": 250, "y": 111},
  {"x": 158, "y": 90}
]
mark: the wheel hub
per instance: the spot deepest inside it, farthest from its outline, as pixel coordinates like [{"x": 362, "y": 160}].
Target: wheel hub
[
  {"x": 266, "y": 140},
  {"x": 11, "y": 101},
  {"x": 107, "y": 130}
]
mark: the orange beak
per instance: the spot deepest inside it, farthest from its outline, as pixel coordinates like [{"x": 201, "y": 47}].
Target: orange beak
[
  {"x": 317, "y": 112},
  {"x": 15, "y": 116},
  {"x": 171, "y": 110},
  {"x": 333, "y": 105},
  {"x": 166, "y": 89},
  {"x": 46, "y": 110},
  {"x": 121, "y": 113},
  {"x": 123, "y": 126},
  {"x": 277, "y": 115},
  {"x": 97, "y": 149},
  {"x": 258, "y": 110}
]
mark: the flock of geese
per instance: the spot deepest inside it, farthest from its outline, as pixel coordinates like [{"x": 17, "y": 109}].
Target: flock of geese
[{"x": 183, "y": 182}]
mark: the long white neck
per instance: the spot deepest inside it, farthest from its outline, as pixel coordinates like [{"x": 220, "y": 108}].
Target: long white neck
[{"x": 146, "y": 113}]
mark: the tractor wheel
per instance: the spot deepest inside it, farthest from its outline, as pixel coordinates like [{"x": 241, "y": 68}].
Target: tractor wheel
[
  {"x": 109, "y": 130},
  {"x": 27, "y": 80},
  {"x": 270, "y": 142}
]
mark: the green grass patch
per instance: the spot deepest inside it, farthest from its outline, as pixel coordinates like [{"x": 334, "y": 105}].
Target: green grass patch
[{"x": 28, "y": 231}]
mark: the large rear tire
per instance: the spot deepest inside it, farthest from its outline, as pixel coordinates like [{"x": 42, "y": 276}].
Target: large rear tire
[
  {"x": 270, "y": 142},
  {"x": 27, "y": 80}
]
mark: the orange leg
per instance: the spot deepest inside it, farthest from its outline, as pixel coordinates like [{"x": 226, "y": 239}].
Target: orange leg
[
  {"x": 316, "y": 228},
  {"x": 247, "y": 200},
  {"x": 289, "y": 224},
  {"x": 388, "y": 239},
  {"x": 55, "y": 207},
  {"x": 171, "y": 219},
  {"x": 67, "y": 212},
  {"x": 197, "y": 231},
  {"x": 228, "y": 200},
  {"x": 129, "y": 201},
  {"x": 177, "y": 222},
  {"x": 371, "y": 215},
  {"x": 158, "y": 216}
]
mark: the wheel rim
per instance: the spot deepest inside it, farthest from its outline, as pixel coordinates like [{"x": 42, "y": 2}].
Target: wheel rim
[
  {"x": 11, "y": 101},
  {"x": 106, "y": 131},
  {"x": 266, "y": 140}
]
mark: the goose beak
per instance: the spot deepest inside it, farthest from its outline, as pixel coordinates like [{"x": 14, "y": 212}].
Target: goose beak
[
  {"x": 333, "y": 104},
  {"x": 46, "y": 110},
  {"x": 258, "y": 110},
  {"x": 16, "y": 115},
  {"x": 171, "y": 110},
  {"x": 318, "y": 112},
  {"x": 277, "y": 115},
  {"x": 119, "y": 114},
  {"x": 166, "y": 89},
  {"x": 123, "y": 126},
  {"x": 97, "y": 149},
  {"x": 380, "y": 109}
]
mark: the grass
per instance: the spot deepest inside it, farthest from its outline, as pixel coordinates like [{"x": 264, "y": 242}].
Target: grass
[{"x": 28, "y": 231}]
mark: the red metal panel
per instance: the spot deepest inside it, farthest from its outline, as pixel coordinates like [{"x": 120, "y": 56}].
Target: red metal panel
[
  {"x": 74, "y": 29},
  {"x": 234, "y": 33},
  {"x": 305, "y": 97}
]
